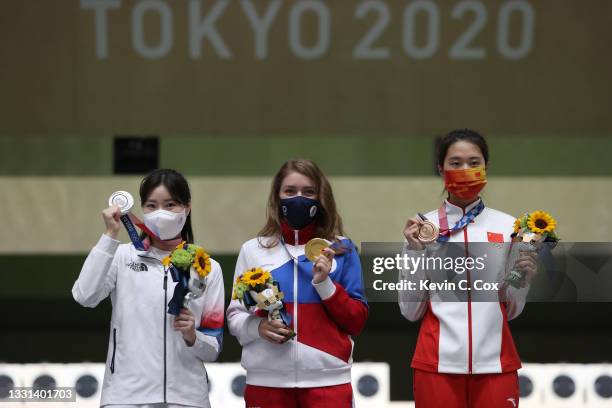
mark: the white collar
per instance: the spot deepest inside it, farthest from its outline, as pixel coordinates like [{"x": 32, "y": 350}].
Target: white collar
[
  {"x": 154, "y": 252},
  {"x": 453, "y": 210}
]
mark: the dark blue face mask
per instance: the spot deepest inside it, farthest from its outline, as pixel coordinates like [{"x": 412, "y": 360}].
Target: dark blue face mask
[{"x": 299, "y": 211}]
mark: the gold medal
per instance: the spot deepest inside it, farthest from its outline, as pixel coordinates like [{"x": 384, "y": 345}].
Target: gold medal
[
  {"x": 315, "y": 247},
  {"x": 428, "y": 232}
]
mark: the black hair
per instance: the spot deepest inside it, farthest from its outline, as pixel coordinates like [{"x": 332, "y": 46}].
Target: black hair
[
  {"x": 466, "y": 135},
  {"x": 178, "y": 188}
]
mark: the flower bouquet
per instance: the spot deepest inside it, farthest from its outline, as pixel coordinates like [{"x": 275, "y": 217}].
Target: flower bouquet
[
  {"x": 256, "y": 288},
  {"x": 189, "y": 265},
  {"x": 532, "y": 231}
]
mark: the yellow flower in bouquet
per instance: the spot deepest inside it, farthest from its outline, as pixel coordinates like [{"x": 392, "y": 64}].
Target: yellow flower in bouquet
[
  {"x": 541, "y": 222},
  {"x": 256, "y": 276},
  {"x": 166, "y": 261},
  {"x": 517, "y": 225},
  {"x": 189, "y": 255},
  {"x": 249, "y": 280},
  {"x": 201, "y": 262}
]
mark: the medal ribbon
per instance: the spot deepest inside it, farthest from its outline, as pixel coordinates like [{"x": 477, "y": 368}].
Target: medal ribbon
[
  {"x": 128, "y": 221},
  {"x": 468, "y": 217}
]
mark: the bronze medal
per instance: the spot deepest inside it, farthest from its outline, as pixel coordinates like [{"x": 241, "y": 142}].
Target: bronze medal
[{"x": 428, "y": 232}]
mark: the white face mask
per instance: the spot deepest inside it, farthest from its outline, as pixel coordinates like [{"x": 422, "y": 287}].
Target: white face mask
[{"x": 165, "y": 224}]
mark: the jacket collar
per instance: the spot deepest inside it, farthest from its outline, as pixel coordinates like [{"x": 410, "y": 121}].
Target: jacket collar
[
  {"x": 290, "y": 236},
  {"x": 453, "y": 210},
  {"x": 154, "y": 253}
]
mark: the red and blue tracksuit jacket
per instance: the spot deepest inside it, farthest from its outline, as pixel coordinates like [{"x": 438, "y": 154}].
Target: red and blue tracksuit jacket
[{"x": 324, "y": 316}]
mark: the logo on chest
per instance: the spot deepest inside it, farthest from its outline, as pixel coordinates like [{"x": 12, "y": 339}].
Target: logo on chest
[{"x": 137, "y": 266}]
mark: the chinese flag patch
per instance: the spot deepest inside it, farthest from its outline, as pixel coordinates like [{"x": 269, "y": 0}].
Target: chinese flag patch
[{"x": 495, "y": 237}]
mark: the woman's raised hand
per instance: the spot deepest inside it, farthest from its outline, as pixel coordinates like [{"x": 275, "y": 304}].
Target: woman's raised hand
[{"x": 111, "y": 220}]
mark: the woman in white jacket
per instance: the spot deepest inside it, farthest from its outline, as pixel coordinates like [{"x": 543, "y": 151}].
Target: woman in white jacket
[
  {"x": 154, "y": 359},
  {"x": 465, "y": 356}
]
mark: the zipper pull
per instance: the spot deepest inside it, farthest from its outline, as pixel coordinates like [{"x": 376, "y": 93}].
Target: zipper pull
[{"x": 165, "y": 281}]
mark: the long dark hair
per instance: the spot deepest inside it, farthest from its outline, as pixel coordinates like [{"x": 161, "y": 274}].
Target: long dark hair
[
  {"x": 466, "y": 135},
  {"x": 177, "y": 186},
  {"x": 330, "y": 222}
]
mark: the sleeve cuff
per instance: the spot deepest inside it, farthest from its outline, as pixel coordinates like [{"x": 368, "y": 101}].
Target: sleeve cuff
[
  {"x": 202, "y": 348},
  {"x": 107, "y": 245},
  {"x": 252, "y": 326},
  {"x": 325, "y": 289}
]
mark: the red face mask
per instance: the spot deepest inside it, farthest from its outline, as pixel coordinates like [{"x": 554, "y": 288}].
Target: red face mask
[{"x": 465, "y": 183}]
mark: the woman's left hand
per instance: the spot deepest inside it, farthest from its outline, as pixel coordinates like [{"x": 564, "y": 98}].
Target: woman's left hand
[
  {"x": 185, "y": 323},
  {"x": 322, "y": 265},
  {"x": 528, "y": 263}
]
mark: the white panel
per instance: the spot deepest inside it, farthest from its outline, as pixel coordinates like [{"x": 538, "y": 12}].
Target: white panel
[
  {"x": 363, "y": 372},
  {"x": 591, "y": 373},
  {"x": 575, "y": 372},
  {"x": 15, "y": 372},
  {"x": 59, "y": 373},
  {"x": 75, "y": 371},
  {"x": 221, "y": 376},
  {"x": 535, "y": 373}
]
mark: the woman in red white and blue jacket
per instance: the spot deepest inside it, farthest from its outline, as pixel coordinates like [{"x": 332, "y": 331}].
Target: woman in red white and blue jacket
[{"x": 325, "y": 299}]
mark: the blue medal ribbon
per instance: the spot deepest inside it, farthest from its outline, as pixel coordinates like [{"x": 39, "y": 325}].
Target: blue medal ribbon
[{"x": 468, "y": 217}]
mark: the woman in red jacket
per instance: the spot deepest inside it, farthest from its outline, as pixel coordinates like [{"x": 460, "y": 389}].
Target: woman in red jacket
[{"x": 465, "y": 355}]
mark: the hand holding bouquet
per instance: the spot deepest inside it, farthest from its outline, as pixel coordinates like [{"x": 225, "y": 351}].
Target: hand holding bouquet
[
  {"x": 189, "y": 265},
  {"x": 531, "y": 232},
  {"x": 256, "y": 288}
]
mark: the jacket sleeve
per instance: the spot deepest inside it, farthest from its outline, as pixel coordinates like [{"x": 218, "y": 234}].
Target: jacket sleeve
[
  {"x": 209, "y": 334},
  {"x": 413, "y": 303},
  {"x": 344, "y": 299},
  {"x": 241, "y": 323},
  {"x": 99, "y": 273}
]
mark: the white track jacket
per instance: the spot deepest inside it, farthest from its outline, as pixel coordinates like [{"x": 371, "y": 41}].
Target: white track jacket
[{"x": 147, "y": 361}]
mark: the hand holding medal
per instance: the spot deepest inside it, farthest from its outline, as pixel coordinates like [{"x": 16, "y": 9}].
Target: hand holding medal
[
  {"x": 419, "y": 231},
  {"x": 124, "y": 202},
  {"x": 111, "y": 216},
  {"x": 428, "y": 231}
]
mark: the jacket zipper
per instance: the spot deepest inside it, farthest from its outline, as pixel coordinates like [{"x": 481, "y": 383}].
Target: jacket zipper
[
  {"x": 112, "y": 364},
  {"x": 165, "y": 323},
  {"x": 295, "y": 311},
  {"x": 465, "y": 240},
  {"x": 165, "y": 319}
]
